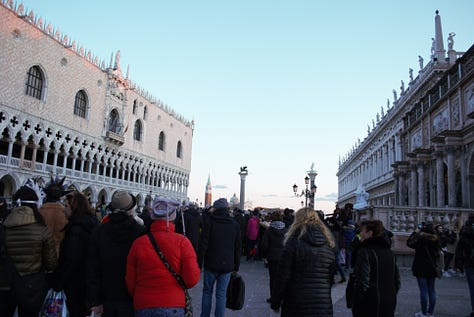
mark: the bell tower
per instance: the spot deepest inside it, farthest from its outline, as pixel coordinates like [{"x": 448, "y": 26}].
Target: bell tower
[{"x": 208, "y": 193}]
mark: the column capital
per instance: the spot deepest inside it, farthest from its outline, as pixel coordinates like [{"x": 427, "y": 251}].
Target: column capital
[
  {"x": 451, "y": 149},
  {"x": 438, "y": 153}
]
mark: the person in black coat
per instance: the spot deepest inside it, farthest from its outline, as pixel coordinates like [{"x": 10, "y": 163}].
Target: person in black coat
[
  {"x": 189, "y": 223},
  {"x": 464, "y": 258},
  {"x": 70, "y": 274},
  {"x": 427, "y": 252},
  {"x": 107, "y": 259},
  {"x": 219, "y": 253},
  {"x": 306, "y": 268},
  {"x": 242, "y": 221},
  {"x": 376, "y": 276},
  {"x": 271, "y": 247}
]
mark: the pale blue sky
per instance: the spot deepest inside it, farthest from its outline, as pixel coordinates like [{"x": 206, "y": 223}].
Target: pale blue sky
[{"x": 273, "y": 85}]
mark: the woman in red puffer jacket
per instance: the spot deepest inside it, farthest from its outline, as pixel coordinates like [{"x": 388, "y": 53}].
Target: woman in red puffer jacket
[{"x": 154, "y": 289}]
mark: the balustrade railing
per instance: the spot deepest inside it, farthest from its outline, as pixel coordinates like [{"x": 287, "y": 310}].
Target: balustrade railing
[
  {"x": 405, "y": 219},
  {"x": 41, "y": 170}
]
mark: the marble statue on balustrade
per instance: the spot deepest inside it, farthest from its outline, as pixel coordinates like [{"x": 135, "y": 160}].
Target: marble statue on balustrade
[
  {"x": 361, "y": 198},
  {"x": 410, "y": 74},
  {"x": 451, "y": 40}
]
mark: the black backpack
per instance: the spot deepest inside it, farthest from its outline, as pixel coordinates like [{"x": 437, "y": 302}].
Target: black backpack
[{"x": 235, "y": 292}]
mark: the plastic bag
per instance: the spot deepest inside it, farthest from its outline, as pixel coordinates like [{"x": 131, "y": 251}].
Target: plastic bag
[{"x": 54, "y": 305}]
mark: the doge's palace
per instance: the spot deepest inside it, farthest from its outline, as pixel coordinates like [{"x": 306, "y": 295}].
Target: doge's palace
[{"x": 66, "y": 112}]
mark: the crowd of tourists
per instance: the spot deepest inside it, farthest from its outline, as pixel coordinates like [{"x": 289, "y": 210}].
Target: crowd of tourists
[{"x": 117, "y": 262}]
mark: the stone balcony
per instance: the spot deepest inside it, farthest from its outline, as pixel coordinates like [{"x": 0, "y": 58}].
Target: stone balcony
[{"x": 114, "y": 138}]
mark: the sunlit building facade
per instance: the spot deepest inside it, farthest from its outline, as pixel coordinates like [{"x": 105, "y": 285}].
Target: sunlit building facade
[
  {"x": 65, "y": 112},
  {"x": 416, "y": 163}
]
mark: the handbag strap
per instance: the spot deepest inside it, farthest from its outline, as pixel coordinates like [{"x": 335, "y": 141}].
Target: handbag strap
[{"x": 165, "y": 262}]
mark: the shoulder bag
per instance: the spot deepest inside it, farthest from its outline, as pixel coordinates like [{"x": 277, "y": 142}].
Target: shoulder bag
[
  {"x": 188, "y": 309},
  {"x": 235, "y": 295}
]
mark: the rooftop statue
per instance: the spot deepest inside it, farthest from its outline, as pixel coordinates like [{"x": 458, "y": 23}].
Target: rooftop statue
[
  {"x": 420, "y": 60},
  {"x": 451, "y": 40}
]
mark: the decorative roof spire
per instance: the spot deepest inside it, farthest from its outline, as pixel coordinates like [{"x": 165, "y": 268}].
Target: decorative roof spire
[{"x": 439, "y": 51}]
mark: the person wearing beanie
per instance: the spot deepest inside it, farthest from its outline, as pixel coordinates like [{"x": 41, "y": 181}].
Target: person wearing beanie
[
  {"x": 154, "y": 289},
  {"x": 107, "y": 258},
  {"x": 219, "y": 253},
  {"x": 30, "y": 245}
]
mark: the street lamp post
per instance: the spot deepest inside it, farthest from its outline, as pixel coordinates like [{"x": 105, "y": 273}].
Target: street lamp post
[{"x": 310, "y": 188}]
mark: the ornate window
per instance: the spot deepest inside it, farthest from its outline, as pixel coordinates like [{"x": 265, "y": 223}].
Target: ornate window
[
  {"x": 80, "y": 104},
  {"x": 114, "y": 121},
  {"x": 34, "y": 83},
  {"x": 161, "y": 141},
  {"x": 145, "y": 112},
  {"x": 179, "y": 150},
  {"x": 135, "y": 106},
  {"x": 137, "y": 131}
]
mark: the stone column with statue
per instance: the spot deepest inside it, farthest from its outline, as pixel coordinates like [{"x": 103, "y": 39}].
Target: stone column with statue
[{"x": 243, "y": 174}]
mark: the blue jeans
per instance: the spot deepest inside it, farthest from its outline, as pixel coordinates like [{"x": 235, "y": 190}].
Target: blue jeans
[
  {"x": 160, "y": 312},
  {"x": 221, "y": 280},
  {"x": 339, "y": 266},
  {"x": 470, "y": 282},
  {"x": 427, "y": 291}
]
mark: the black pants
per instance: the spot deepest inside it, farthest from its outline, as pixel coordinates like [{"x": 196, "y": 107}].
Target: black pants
[
  {"x": 76, "y": 303},
  {"x": 273, "y": 272},
  {"x": 118, "y": 309},
  {"x": 8, "y": 305}
]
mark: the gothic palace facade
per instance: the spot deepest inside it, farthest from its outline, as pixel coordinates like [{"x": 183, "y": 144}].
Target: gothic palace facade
[
  {"x": 417, "y": 162},
  {"x": 65, "y": 112}
]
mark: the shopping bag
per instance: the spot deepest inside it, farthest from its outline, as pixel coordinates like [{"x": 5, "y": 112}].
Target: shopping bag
[
  {"x": 54, "y": 305},
  {"x": 235, "y": 296}
]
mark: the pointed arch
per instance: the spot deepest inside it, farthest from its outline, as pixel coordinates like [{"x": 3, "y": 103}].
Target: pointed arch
[
  {"x": 35, "y": 82},
  {"x": 138, "y": 131},
  {"x": 161, "y": 141},
  {"x": 179, "y": 150}
]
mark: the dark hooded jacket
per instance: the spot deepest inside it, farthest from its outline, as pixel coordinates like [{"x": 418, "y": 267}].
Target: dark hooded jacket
[
  {"x": 271, "y": 246},
  {"x": 305, "y": 272},
  {"x": 220, "y": 244},
  {"x": 376, "y": 279},
  {"x": 107, "y": 260},
  {"x": 427, "y": 250}
]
